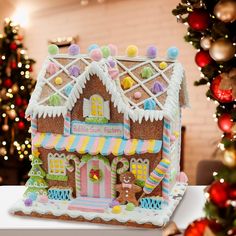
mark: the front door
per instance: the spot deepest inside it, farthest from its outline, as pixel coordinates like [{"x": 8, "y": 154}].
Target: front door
[{"x": 95, "y": 178}]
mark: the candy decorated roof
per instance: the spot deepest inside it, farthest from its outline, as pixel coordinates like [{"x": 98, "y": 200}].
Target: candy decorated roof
[{"x": 140, "y": 87}]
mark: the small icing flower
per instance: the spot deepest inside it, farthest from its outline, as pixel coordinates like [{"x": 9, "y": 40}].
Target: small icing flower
[
  {"x": 74, "y": 71},
  {"x": 127, "y": 82},
  {"x": 111, "y": 62},
  {"x": 116, "y": 210},
  {"x": 58, "y": 80},
  {"x": 52, "y": 68},
  {"x": 172, "y": 53},
  {"x": 33, "y": 196},
  {"x": 114, "y": 203},
  {"x": 68, "y": 89},
  {"x": 149, "y": 104},
  {"x": 163, "y": 65},
  {"x": 151, "y": 52},
  {"x": 137, "y": 95},
  {"x": 43, "y": 199},
  {"x": 53, "y": 49},
  {"x": 54, "y": 100},
  {"x": 147, "y": 72},
  {"x": 113, "y": 72},
  {"x": 73, "y": 49},
  {"x": 132, "y": 51},
  {"x": 28, "y": 202},
  {"x": 130, "y": 207}
]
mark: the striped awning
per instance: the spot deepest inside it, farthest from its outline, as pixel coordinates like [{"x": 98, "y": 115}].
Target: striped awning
[{"x": 95, "y": 145}]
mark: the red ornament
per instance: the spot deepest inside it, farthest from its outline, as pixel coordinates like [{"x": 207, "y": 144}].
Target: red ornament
[
  {"x": 25, "y": 102},
  {"x": 221, "y": 95},
  {"x": 219, "y": 193},
  {"x": 31, "y": 69},
  {"x": 203, "y": 58},
  {"x": 225, "y": 123},
  {"x": 21, "y": 125},
  {"x": 22, "y": 114},
  {"x": 199, "y": 20},
  {"x": 7, "y": 83},
  {"x": 13, "y": 65},
  {"x": 20, "y": 37},
  {"x": 13, "y": 46},
  {"x": 18, "y": 101},
  {"x": 232, "y": 193}
]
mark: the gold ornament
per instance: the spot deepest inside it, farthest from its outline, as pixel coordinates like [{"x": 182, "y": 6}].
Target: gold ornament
[
  {"x": 229, "y": 158},
  {"x": 12, "y": 114},
  {"x": 15, "y": 88},
  {"x": 205, "y": 42},
  {"x": 225, "y": 10},
  {"x": 3, "y": 151},
  {"x": 5, "y": 127},
  {"x": 222, "y": 50}
]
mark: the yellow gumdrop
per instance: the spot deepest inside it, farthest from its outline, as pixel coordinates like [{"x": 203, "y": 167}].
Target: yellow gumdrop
[
  {"x": 132, "y": 51},
  {"x": 116, "y": 210},
  {"x": 176, "y": 134},
  {"x": 127, "y": 82},
  {"x": 58, "y": 80},
  {"x": 163, "y": 65}
]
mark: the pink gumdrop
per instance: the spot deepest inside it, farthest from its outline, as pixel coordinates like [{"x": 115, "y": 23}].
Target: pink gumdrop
[
  {"x": 113, "y": 49},
  {"x": 137, "y": 95},
  {"x": 114, "y": 73},
  {"x": 172, "y": 138},
  {"x": 52, "y": 68},
  {"x": 96, "y": 54},
  {"x": 43, "y": 199},
  {"x": 182, "y": 177}
]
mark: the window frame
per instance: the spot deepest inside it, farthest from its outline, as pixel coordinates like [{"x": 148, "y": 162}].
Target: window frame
[
  {"x": 144, "y": 163},
  {"x": 53, "y": 157}
]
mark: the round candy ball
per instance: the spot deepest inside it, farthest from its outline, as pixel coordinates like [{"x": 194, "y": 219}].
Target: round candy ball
[
  {"x": 225, "y": 122},
  {"x": 172, "y": 53},
  {"x": 58, "y": 80},
  {"x": 113, "y": 49},
  {"x": 116, "y": 209},
  {"x": 113, "y": 203},
  {"x": 68, "y": 89},
  {"x": 151, "y": 52},
  {"x": 53, "y": 49},
  {"x": 105, "y": 51},
  {"x": 92, "y": 46},
  {"x": 137, "y": 95},
  {"x": 28, "y": 202},
  {"x": 132, "y": 51},
  {"x": 74, "y": 71},
  {"x": 96, "y": 54},
  {"x": 52, "y": 68},
  {"x": 199, "y": 19},
  {"x": 73, "y": 49},
  {"x": 130, "y": 207},
  {"x": 33, "y": 196}
]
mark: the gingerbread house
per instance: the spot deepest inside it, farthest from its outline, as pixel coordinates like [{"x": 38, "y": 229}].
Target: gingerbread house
[{"x": 91, "y": 121}]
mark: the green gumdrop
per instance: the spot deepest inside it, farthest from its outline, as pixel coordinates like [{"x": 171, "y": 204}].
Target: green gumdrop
[
  {"x": 53, "y": 49},
  {"x": 105, "y": 51},
  {"x": 147, "y": 72},
  {"x": 54, "y": 100},
  {"x": 130, "y": 206}
]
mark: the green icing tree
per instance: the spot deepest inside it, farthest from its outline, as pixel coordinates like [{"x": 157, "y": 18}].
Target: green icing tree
[{"x": 36, "y": 182}]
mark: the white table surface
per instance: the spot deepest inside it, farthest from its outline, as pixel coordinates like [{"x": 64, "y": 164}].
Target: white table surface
[{"x": 189, "y": 209}]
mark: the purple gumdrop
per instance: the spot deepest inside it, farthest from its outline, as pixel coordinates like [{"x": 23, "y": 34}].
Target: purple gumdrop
[
  {"x": 28, "y": 202},
  {"x": 113, "y": 203},
  {"x": 157, "y": 87},
  {"x": 111, "y": 63},
  {"x": 74, "y": 71},
  {"x": 73, "y": 49},
  {"x": 151, "y": 52}
]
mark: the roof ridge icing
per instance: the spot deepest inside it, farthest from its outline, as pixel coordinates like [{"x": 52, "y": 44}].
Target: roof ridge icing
[{"x": 176, "y": 83}]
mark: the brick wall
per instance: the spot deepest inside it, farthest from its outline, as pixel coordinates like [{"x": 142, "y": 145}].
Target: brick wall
[{"x": 140, "y": 22}]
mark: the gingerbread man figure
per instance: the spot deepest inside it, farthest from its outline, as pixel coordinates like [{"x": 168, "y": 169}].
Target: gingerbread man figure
[{"x": 127, "y": 189}]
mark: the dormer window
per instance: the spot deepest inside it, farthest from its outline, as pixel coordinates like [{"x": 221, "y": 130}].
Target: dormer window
[{"x": 96, "y": 107}]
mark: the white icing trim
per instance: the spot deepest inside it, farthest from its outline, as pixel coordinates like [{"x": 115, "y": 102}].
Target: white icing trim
[{"x": 117, "y": 97}]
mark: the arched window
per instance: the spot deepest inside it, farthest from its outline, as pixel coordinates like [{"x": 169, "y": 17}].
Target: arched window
[{"x": 96, "y": 103}]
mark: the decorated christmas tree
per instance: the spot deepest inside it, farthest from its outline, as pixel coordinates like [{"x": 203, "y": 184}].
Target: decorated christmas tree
[
  {"x": 212, "y": 31},
  {"x": 36, "y": 182},
  {"x": 16, "y": 85}
]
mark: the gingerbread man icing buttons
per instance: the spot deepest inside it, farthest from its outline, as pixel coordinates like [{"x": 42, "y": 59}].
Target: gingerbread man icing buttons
[{"x": 127, "y": 189}]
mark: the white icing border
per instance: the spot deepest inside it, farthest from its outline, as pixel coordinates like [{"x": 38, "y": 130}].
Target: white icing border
[{"x": 117, "y": 97}]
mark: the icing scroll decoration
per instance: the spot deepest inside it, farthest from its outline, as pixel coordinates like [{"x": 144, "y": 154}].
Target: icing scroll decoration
[
  {"x": 70, "y": 168},
  {"x": 115, "y": 171}
]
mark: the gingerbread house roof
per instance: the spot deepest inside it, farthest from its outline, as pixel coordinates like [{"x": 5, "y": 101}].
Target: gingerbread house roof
[{"x": 172, "y": 94}]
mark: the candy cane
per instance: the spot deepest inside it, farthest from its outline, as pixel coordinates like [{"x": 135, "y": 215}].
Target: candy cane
[
  {"x": 71, "y": 168},
  {"x": 119, "y": 171}
]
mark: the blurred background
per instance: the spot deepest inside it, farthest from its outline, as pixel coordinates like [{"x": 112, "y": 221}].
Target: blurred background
[{"x": 121, "y": 22}]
